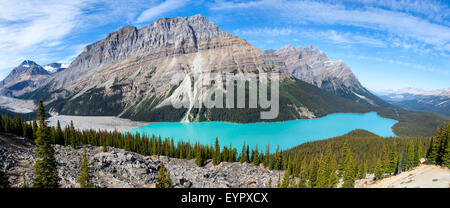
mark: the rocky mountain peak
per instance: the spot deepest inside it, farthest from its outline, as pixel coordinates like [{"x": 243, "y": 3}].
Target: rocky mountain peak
[
  {"x": 312, "y": 50},
  {"x": 166, "y": 37},
  {"x": 28, "y": 63},
  {"x": 28, "y": 67},
  {"x": 286, "y": 49},
  {"x": 23, "y": 78}
]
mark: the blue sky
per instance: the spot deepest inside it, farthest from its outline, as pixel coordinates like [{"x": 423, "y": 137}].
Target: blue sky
[{"x": 387, "y": 44}]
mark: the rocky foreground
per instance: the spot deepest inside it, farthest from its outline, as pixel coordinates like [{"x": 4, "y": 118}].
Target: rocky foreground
[
  {"x": 423, "y": 176},
  {"x": 122, "y": 169}
]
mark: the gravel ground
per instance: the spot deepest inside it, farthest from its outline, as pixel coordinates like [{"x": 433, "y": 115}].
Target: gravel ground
[
  {"x": 424, "y": 176},
  {"x": 109, "y": 123}
]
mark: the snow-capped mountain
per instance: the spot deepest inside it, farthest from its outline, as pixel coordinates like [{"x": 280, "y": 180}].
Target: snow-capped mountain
[{"x": 419, "y": 99}]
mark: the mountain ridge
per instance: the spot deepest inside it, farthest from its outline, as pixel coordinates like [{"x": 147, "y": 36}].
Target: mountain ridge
[{"x": 132, "y": 71}]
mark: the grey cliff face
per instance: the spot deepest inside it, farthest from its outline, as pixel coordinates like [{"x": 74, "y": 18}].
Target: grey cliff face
[
  {"x": 313, "y": 66},
  {"x": 134, "y": 69},
  {"x": 24, "y": 78}
]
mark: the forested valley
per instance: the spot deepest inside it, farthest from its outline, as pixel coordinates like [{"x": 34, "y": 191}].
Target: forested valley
[{"x": 320, "y": 164}]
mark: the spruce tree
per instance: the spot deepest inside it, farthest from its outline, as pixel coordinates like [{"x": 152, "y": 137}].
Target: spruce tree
[
  {"x": 84, "y": 177},
  {"x": 393, "y": 159},
  {"x": 348, "y": 174},
  {"x": 198, "y": 156},
  {"x": 286, "y": 178},
  {"x": 45, "y": 169},
  {"x": 255, "y": 156},
  {"x": 163, "y": 178},
  {"x": 378, "y": 170},
  {"x": 247, "y": 155},
  {"x": 267, "y": 156},
  {"x": 410, "y": 153},
  {"x": 59, "y": 136},
  {"x": 417, "y": 153},
  {"x": 322, "y": 173},
  {"x": 217, "y": 156},
  {"x": 432, "y": 154},
  {"x": 243, "y": 156},
  {"x": 441, "y": 153},
  {"x": 105, "y": 148},
  {"x": 385, "y": 159}
]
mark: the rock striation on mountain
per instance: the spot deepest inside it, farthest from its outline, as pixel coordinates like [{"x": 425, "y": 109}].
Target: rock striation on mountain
[{"x": 136, "y": 73}]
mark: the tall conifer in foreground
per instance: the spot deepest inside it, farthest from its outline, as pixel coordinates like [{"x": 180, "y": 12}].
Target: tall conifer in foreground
[
  {"x": 84, "y": 178},
  {"x": 45, "y": 169}
]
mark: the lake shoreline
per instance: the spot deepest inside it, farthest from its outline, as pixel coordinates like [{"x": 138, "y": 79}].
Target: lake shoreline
[{"x": 111, "y": 123}]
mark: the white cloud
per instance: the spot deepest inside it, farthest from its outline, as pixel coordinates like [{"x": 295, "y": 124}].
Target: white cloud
[
  {"x": 44, "y": 30},
  {"x": 160, "y": 9},
  {"x": 401, "y": 24},
  {"x": 343, "y": 37},
  {"x": 407, "y": 64},
  {"x": 265, "y": 31}
]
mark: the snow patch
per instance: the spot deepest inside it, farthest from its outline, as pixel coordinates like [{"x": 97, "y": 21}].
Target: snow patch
[
  {"x": 364, "y": 98},
  {"x": 50, "y": 69}
]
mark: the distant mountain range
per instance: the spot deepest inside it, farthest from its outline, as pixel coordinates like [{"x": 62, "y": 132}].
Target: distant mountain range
[
  {"x": 27, "y": 77},
  {"x": 417, "y": 99},
  {"x": 130, "y": 74}
]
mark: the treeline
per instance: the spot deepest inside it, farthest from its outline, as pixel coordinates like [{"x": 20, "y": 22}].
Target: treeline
[
  {"x": 439, "y": 149},
  {"x": 319, "y": 164}
]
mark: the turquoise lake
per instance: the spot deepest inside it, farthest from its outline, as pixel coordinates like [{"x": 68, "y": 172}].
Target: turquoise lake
[{"x": 286, "y": 134}]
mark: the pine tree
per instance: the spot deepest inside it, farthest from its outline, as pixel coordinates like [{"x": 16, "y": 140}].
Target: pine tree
[
  {"x": 378, "y": 170},
  {"x": 198, "y": 156},
  {"x": 417, "y": 153},
  {"x": 217, "y": 158},
  {"x": 277, "y": 159},
  {"x": 163, "y": 178},
  {"x": 432, "y": 154},
  {"x": 73, "y": 141},
  {"x": 46, "y": 172},
  {"x": 333, "y": 179},
  {"x": 322, "y": 173},
  {"x": 105, "y": 148},
  {"x": 84, "y": 177},
  {"x": 385, "y": 159},
  {"x": 286, "y": 178},
  {"x": 410, "y": 153},
  {"x": 446, "y": 154},
  {"x": 247, "y": 155},
  {"x": 255, "y": 156},
  {"x": 243, "y": 156},
  {"x": 393, "y": 159},
  {"x": 267, "y": 157},
  {"x": 270, "y": 183},
  {"x": 348, "y": 174},
  {"x": 59, "y": 137}
]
